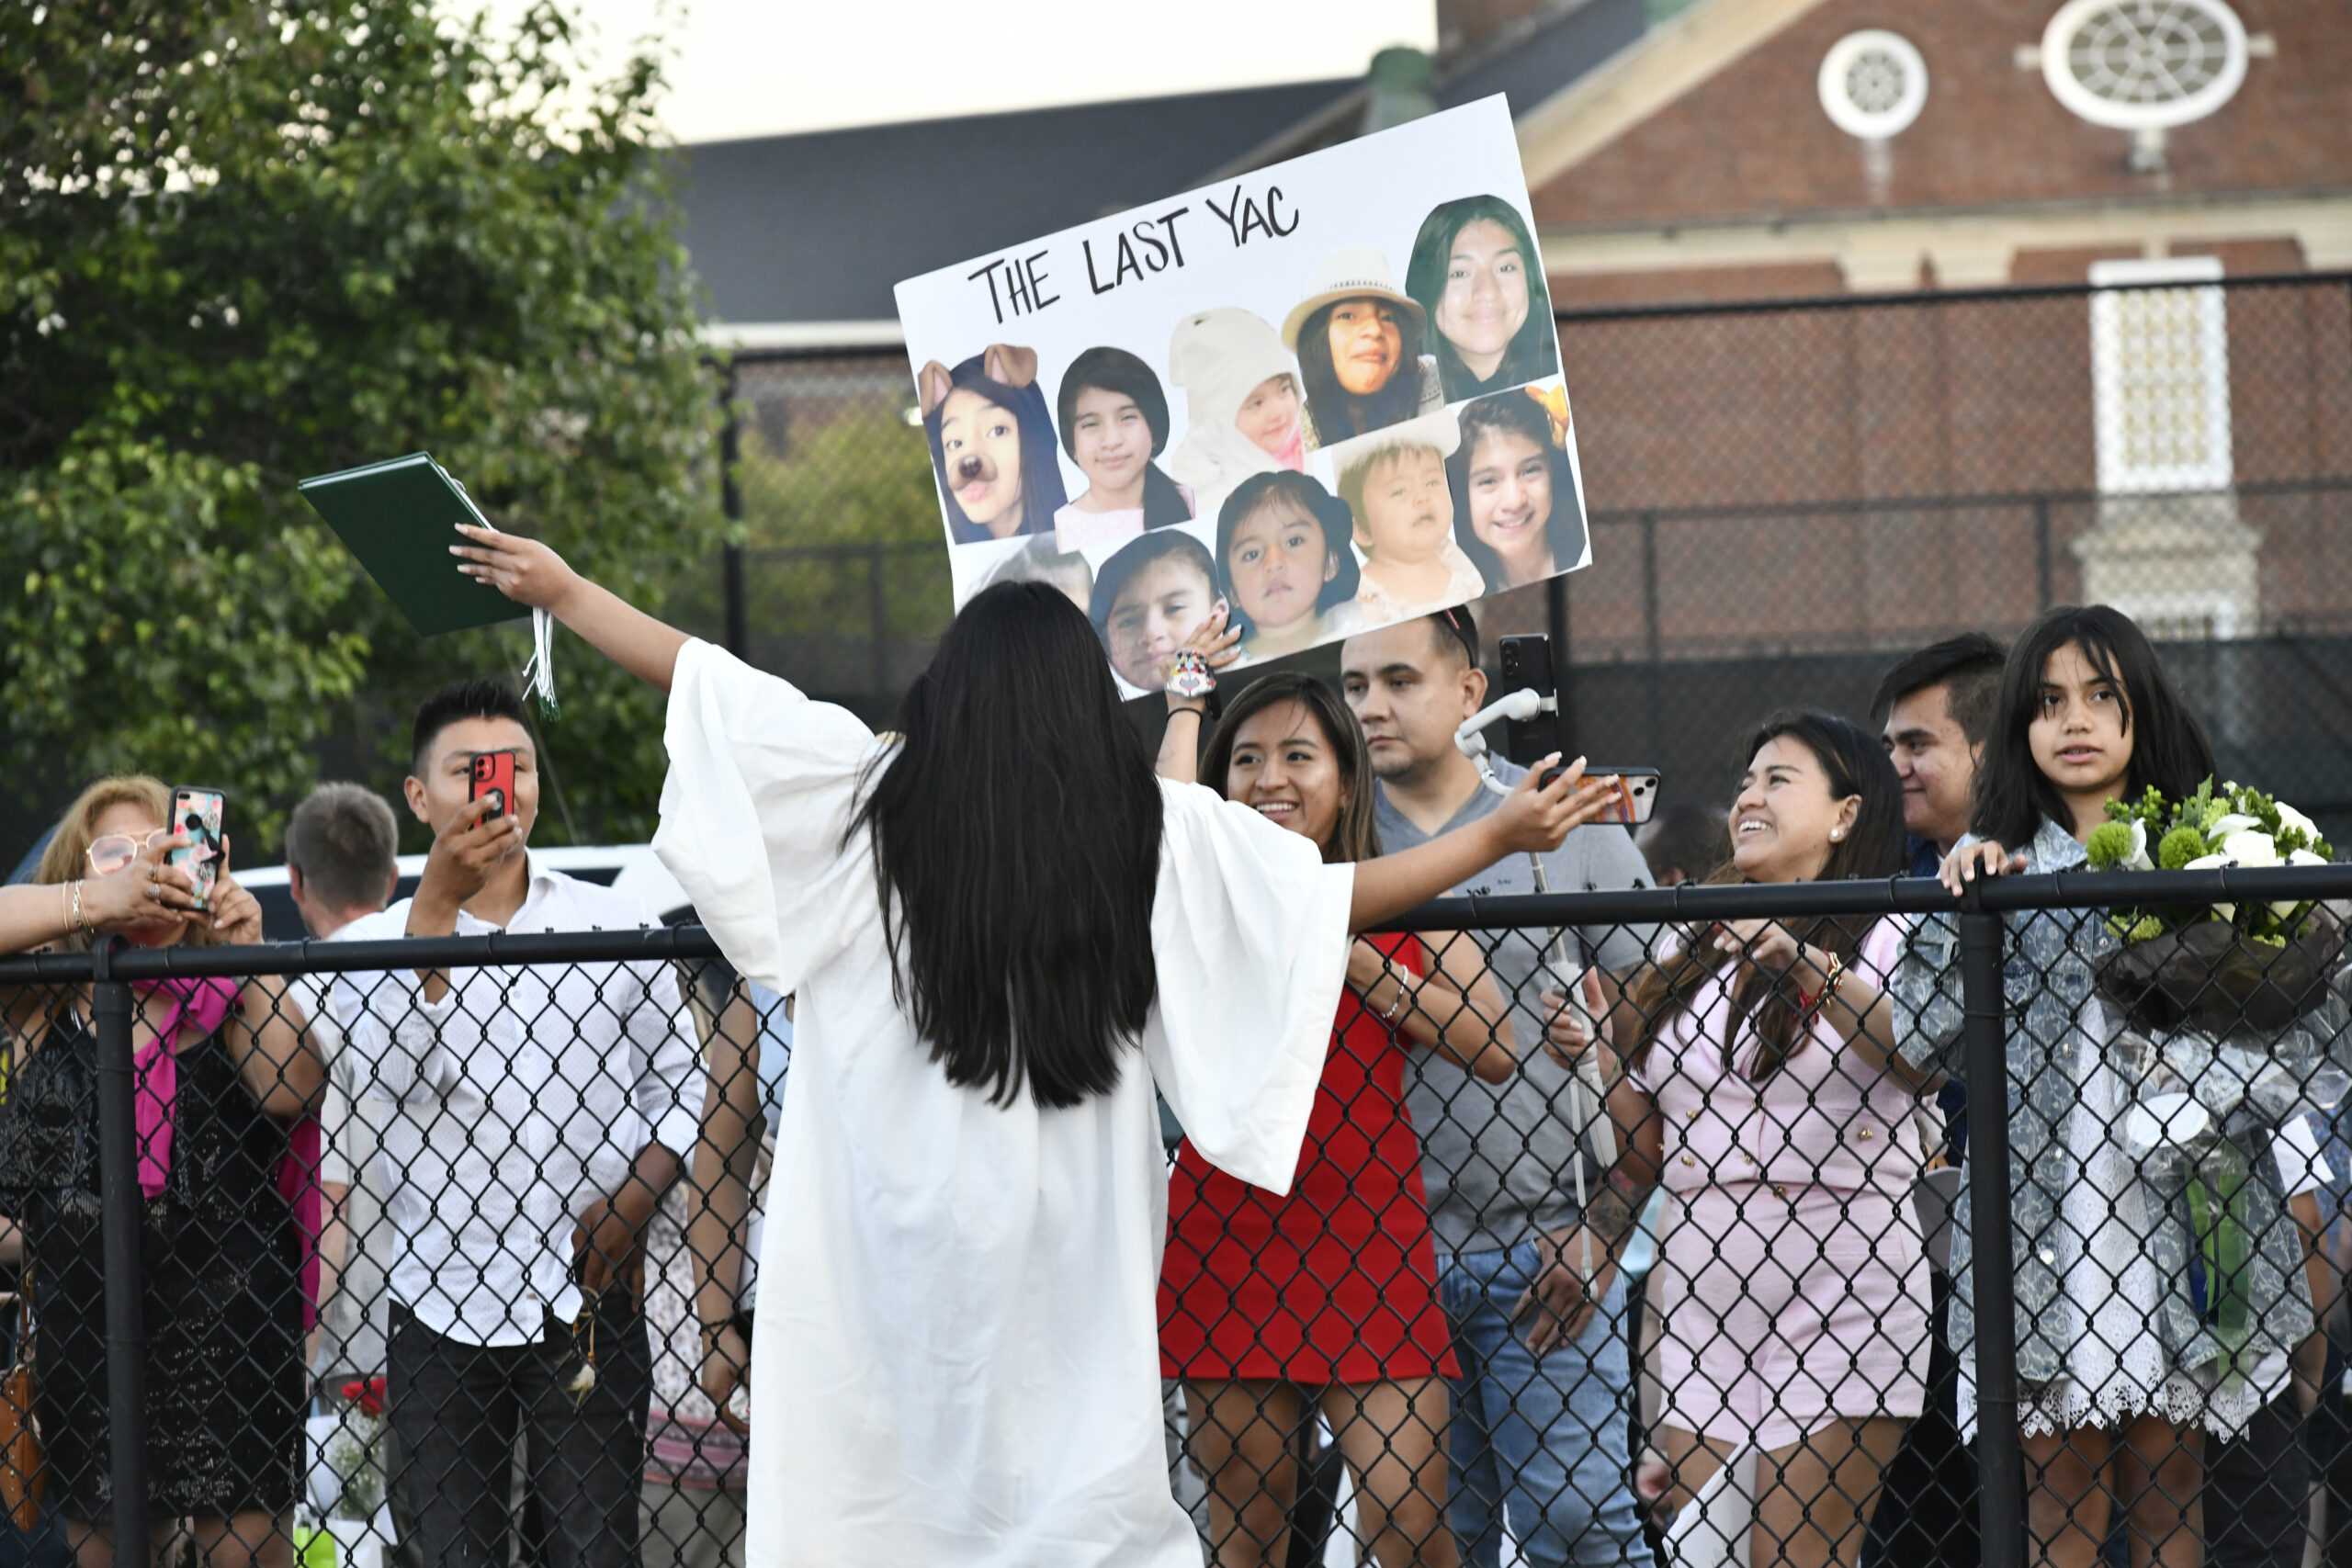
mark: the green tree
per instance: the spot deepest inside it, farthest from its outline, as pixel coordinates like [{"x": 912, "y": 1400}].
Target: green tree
[{"x": 242, "y": 243}]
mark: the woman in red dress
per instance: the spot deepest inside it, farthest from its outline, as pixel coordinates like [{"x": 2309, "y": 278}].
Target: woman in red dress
[{"x": 1273, "y": 1306}]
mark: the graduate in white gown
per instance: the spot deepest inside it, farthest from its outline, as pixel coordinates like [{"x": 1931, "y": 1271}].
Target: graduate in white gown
[{"x": 956, "y": 1359}]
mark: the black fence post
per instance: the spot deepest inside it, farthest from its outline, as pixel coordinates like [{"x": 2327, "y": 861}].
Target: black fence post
[
  {"x": 1651, "y": 639},
  {"x": 1555, "y": 613},
  {"x": 2044, "y": 587},
  {"x": 731, "y": 502},
  {"x": 878, "y": 611},
  {"x": 119, "y": 1226},
  {"x": 2000, "y": 1460}
]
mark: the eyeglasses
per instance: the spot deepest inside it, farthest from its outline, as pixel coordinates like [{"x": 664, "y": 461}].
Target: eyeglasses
[{"x": 112, "y": 852}]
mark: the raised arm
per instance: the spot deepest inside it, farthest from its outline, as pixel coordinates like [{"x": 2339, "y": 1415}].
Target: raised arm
[
  {"x": 1188, "y": 717},
  {"x": 1530, "y": 819},
  {"x": 529, "y": 573},
  {"x": 37, "y": 913},
  {"x": 269, "y": 1039}
]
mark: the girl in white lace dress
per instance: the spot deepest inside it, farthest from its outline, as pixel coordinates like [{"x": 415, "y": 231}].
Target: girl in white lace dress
[{"x": 2121, "y": 1376}]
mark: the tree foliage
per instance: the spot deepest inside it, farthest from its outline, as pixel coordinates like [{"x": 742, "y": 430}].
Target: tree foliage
[{"x": 244, "y": 243}]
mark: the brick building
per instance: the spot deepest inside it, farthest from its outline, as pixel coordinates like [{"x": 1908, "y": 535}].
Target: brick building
[{"x": 1881, "y": 468}]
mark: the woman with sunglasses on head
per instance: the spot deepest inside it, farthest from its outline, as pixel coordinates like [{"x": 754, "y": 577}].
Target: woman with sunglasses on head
[{"x": 225, "y": 1070}]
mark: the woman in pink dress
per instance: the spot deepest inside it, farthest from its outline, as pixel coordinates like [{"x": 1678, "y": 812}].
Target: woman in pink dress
[{"x": 1758, "y": 1085}]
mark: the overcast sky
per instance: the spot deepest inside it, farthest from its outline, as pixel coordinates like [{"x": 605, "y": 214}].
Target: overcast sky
[{"x": 762, "y": 67}]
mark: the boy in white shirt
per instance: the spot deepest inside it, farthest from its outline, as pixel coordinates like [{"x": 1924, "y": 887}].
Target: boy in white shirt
[{"x": 532, "y": 1119}]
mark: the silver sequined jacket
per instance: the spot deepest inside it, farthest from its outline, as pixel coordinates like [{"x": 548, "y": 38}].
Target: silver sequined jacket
[{"x": 2047, "y": 972}]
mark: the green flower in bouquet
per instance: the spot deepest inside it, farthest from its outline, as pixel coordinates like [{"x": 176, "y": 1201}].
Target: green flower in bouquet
[
  {"x": 2229, "y": 824},
  {"x": 2179, "y": 847}
]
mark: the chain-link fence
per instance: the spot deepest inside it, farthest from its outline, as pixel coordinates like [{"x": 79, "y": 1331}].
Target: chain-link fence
[
  {"x": 1784, "y": 496},
  {"x": 443, "y": 1250}
]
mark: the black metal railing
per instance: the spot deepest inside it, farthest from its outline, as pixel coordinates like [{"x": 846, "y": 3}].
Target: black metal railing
[{"x": 1989, "y": 980}]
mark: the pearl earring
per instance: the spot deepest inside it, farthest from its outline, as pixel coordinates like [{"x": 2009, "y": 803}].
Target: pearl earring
[{"x": 1836, "y": 834}]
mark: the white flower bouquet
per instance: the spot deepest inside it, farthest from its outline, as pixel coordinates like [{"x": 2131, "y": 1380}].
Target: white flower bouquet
[
  {"x": 2220, "y": 967},
  {"x": 2232, "y": 1027}
]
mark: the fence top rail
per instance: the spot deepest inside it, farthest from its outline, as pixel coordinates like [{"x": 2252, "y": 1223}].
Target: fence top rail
[
  {"x": 1688, "y": 904},
  {"x": 651, "y": 943},
  {"x": 1957, "y": 500},
  {"x": 1999, "y": 294},
  {"x": 1783, "y": 305},
  {"x": 1693, "y": 904}
]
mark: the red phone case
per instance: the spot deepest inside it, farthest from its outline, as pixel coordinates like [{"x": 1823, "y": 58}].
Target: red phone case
[{"x": 494, "y": 774}]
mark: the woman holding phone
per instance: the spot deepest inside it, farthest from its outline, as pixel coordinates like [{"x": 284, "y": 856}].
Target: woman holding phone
[
  {"x": 225, "y": 1070},
  {"x": 1003, "y": 935}
]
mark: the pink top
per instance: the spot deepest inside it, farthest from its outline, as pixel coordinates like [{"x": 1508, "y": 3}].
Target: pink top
[{"x": 1826, "y": 1118}]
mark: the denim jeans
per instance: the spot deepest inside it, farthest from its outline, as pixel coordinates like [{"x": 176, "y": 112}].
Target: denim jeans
[{"x": 1542, "y": 1443}]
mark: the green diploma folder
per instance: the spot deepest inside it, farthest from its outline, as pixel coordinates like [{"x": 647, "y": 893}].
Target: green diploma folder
[{"x": 400, "y": 518}]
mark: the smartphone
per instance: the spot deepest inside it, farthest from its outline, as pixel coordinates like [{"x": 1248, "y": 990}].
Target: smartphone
[
  {"x": 196, "y": 811},
  {"x": 1637, "y": 793},
  {"x": 494, "y": 776},
  {"x": 1523, "y": 661}
]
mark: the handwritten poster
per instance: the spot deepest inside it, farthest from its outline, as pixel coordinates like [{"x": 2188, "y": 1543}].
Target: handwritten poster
[{"x": 1326, "y": 395}]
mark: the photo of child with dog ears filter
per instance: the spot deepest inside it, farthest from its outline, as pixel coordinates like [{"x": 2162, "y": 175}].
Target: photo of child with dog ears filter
[
  {"x": 991, "y": 445},
  {"x": 1401, "y": 498},
  {"x": 1115, "y": 422}
]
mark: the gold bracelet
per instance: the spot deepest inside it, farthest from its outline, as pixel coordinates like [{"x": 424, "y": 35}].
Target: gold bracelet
[
  {"x": 1829, "y": 978},
  {"x": 79, "y": 924}
]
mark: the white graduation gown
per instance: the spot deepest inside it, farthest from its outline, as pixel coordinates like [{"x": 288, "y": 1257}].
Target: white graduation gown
[{"x": 957, "y": 1360}]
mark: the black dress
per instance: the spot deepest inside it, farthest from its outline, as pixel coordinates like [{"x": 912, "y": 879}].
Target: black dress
[{"x": 221, "y": 1273}]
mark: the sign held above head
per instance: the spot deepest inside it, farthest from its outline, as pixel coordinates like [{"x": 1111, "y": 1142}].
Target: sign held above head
[{"x": 1367, "y": 323}]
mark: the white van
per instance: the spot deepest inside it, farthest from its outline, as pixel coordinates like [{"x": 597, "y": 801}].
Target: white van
[{"x": 629, "y": 868}]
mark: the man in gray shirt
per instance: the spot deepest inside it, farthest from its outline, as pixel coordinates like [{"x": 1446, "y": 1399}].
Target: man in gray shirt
[{"x": 1538, "y": 1435}]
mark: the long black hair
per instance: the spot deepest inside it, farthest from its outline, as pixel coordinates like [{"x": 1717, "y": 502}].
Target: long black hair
[
  {"x": 1857, "y": 765},
  {"x": 1355, "y": 834},
  {"x": 1533, "y": 352},
  {"x": 1117, "y": 370},
  {"x": 1042, "y": 494},
  {"x": 2169, "y": 751},
  {"x": 1515, "y": 413},
  {"x": 1311, "y": 501},
  {"x": 1016, "y": 847},
  {"x": 1338, "y": 414}
]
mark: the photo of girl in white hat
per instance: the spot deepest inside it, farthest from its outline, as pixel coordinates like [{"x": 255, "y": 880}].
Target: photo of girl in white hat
[
  {"x": 1243, "y": 409},
  {"x": 1358, "y": 338}
]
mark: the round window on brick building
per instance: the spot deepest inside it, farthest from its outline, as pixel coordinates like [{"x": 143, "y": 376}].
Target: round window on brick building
[
  {"x": 1873, "y": 84},
  {"x": 2145, "y": 66}
]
